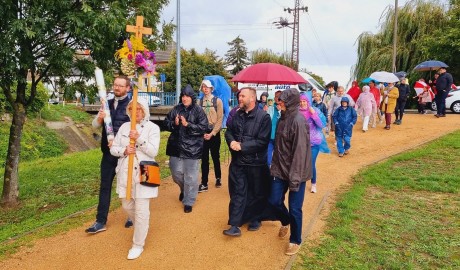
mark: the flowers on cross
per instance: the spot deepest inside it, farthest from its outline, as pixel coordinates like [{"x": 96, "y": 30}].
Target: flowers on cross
[{"x": 134, "y": 56}]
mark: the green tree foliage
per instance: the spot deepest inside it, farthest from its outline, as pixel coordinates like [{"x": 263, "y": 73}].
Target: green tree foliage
[
  {"x": 444, "y": 43},
  {"x": 417, "y": 21},
  {"x": 237, "y": 56},
  {"x": 194, "y": 66},
  {"x": 43, "y": 38},
  {"x": 268, "y": 56}
]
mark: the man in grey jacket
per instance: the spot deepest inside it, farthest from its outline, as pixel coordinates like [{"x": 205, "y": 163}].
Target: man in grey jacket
[{"x": 291, "y": 168}]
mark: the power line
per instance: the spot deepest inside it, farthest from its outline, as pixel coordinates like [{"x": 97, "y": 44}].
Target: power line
[{"x": 315, "y": 34}]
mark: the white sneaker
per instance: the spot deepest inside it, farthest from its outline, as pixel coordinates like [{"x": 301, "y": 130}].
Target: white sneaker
[
  {"x": 313, "y": 188},
  {"x": 134, "y": 253}
]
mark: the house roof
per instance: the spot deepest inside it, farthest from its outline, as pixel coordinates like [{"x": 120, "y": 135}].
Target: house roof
[{"x": 163, "y": 57}]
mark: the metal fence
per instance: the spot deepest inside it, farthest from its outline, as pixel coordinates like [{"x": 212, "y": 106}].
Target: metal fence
[{"x": 169, "y": 98}]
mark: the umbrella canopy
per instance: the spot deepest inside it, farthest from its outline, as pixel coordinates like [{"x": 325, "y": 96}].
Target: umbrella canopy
[
  {"x": 419, "y": 86},
  {"x": 268, "y": 73},
  {"x": 383, "y": 76},
  {"x": 430, "y": 65},
  {"x": 368, "y": 80},
  {"x": 401, "y": 74}
]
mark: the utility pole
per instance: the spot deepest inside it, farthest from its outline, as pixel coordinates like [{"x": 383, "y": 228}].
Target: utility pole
[
  {"x": 395, "y": 36},
  {"x": 295, "y": 34}
]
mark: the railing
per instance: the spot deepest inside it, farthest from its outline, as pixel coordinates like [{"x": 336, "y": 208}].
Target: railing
[{"x": 159, "y": 98}]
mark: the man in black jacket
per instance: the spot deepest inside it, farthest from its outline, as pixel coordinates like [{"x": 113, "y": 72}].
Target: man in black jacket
[
  {"x": 117, "y": 106},
  {"x": 249, "y": 181},
  {"x": 404, "y": 91},
  {"x": 443, "y": 85},
  {"x": 187, "y": 123}
]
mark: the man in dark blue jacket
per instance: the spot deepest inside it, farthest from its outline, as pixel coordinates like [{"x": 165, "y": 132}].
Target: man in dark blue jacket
[
  {"x": 187, "y": 123},
  {"x": 121, "y": 86},
  {"x": 247, "y": 137},
  {"x": 443, "y": 85}
]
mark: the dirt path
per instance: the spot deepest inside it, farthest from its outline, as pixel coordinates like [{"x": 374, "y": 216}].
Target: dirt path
[{"x": 195, "y": 241}]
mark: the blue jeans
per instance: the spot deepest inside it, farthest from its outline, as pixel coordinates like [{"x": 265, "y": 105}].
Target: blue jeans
[
  {"x": 294, "y": 215},
  {"x": 343, "y": 143},
  {"x": 314, "y": 155}
]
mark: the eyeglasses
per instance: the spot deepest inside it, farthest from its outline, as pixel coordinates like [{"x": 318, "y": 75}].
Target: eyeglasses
[
  {"x": 137, "y": 109},
  {"x": 119, "y": 86}
]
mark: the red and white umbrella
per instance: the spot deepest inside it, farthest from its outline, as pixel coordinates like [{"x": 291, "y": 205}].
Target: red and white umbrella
[{"x": 419, "y": 86}]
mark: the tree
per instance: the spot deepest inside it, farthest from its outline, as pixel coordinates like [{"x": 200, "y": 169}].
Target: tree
[
  {"x": 237, "y": 55},
  {"x": 268, "y": 56},
  {"x": 43, "y": 38},
  {"x": 194, "y": 67},
  {"x": 417, "y": 21}
]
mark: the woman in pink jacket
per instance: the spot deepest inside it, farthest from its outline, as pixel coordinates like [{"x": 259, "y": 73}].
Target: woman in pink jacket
[{"x": 366, "y": 106}]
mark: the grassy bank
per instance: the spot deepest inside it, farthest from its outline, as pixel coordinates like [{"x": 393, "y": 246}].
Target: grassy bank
[{"x": 400, "y": 214}]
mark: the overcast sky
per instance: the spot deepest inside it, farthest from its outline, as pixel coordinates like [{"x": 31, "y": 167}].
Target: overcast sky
[{"x": 328, "y": 31}]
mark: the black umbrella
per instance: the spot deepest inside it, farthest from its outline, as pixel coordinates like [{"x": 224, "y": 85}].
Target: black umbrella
[
  {"x": 400, "y": 74},
  {"x": 430, "y": 65}
]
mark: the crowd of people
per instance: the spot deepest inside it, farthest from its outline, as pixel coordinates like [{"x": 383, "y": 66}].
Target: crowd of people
[{"x": 274, "y": 144}]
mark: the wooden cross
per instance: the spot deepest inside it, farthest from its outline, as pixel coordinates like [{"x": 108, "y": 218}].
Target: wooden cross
[{"x": 138, "y": 28}]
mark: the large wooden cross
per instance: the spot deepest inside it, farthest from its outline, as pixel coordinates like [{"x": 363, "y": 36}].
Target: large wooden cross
[{"x": 139, "y": 30}]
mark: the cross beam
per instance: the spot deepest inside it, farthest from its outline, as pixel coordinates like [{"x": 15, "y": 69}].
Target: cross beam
[{"x": 139, "y": 29}]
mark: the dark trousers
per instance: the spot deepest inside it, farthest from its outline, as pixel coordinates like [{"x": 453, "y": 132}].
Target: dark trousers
[
  {"x": 249, "y": 188},
  {"x": 212, "y": 145},
  {"x": 108, "y": 165},
  {"x": 399, "y": 110},
  {"x": 440, "y": 99},
  {"x": 293, "y": 216}
]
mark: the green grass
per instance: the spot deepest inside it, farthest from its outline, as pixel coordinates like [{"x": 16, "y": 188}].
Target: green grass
[
  {"x": 400, "y": 214},
  {"x": 57, "y": 112}
]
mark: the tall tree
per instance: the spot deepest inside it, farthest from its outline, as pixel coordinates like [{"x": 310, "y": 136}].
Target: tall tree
[
  {"x": 40, "y": 38},
  {"x": 268, "y": 56},
  {"x": 237, "y": 56},
  {"x": 417, "y": 20},
  {"x": 194, "y": 67}
]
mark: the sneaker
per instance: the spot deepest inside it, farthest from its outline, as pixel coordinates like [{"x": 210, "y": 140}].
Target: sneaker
[
  {"x": 96, "y": 227},
  {"x": 202, "y": 188},
  {"x": 313, "y": 188},
  {"x": 347, "y": 152},
  {"x": 134, "y": 253},
  {"x": 283, "y": 231},
  {"x": 128, "y": 223},
  {"x": 373, "y": 126},
  {"x": 181, "y": 196},
  {"x": 436, "y": 115},
  {"x": 340, "y": 154},
  {"x": 232, "y": 231},
  {"x": 187, "y": 208},
  {"x": 292, "y": 249},
  {"x": 442, "y": 115},
  {"x": 254, "y": 226},
  {"x": 218, "y": 183},
  {"x": 395, "y": 122},
  {"x": 387, "y": 127}
]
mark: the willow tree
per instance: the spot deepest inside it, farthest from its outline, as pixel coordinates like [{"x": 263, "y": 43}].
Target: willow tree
[
  {"x": 268, "y": 56},
  {"x": 417, "y": 20}
]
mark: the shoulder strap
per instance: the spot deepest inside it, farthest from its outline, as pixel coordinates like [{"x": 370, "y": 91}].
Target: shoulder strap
[{"x": 214, "y": 102}]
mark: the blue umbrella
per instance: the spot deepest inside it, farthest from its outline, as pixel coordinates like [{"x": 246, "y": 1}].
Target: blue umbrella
[
  {"x": 401, "y": 74},
  {"x": 430, "y": 65},
  {"x": 221, "y": 90},
  {"x": 368, "y": 80}
]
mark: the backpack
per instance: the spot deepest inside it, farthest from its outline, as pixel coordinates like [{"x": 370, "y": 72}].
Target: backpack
[{"x": 214, "y": 102}]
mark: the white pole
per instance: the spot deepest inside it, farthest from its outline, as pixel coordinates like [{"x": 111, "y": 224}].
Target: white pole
[{"x": 178, "y": 77}]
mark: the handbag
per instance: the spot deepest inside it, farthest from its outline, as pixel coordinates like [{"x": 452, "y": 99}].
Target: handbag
[{"x": 150, "y": 173}]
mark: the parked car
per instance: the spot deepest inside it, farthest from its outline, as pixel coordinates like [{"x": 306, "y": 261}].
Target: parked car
[{"x": 452, "y": 101}]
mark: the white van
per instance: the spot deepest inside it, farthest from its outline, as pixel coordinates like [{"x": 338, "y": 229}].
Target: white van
[{"x": 271, "y": 89}]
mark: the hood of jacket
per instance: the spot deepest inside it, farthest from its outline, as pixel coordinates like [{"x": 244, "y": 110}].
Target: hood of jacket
[
  {"x": 188, "y": 91},
  {"x": 291, "y": 98},
  {"x": 144, "y": 104},
  {"x": 344, "y": 99}
]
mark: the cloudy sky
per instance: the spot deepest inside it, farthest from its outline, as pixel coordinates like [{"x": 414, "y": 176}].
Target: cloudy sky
[{"x": 328, "y": 31}]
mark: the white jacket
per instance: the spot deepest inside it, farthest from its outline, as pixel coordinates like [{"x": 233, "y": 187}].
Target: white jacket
[{"x": 147, "y": 146}]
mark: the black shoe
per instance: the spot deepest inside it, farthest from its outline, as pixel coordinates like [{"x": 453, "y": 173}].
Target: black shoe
[
  {"x": 187, "y": 208},
  {"x": 437, "y": 115},
  {"x": 181, "y": 196},
  {"x": 254, "y": 226},
  {"x": 218, "y": 183},
  {"x": 442, "y": 115},
  {"x": 233, "y": 231},
  {"x": 128, "y": 223},
  {"x": 202, "y": 188}
]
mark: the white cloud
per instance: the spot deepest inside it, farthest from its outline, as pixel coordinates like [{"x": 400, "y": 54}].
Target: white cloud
[{"x": 327, "y": 33}]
